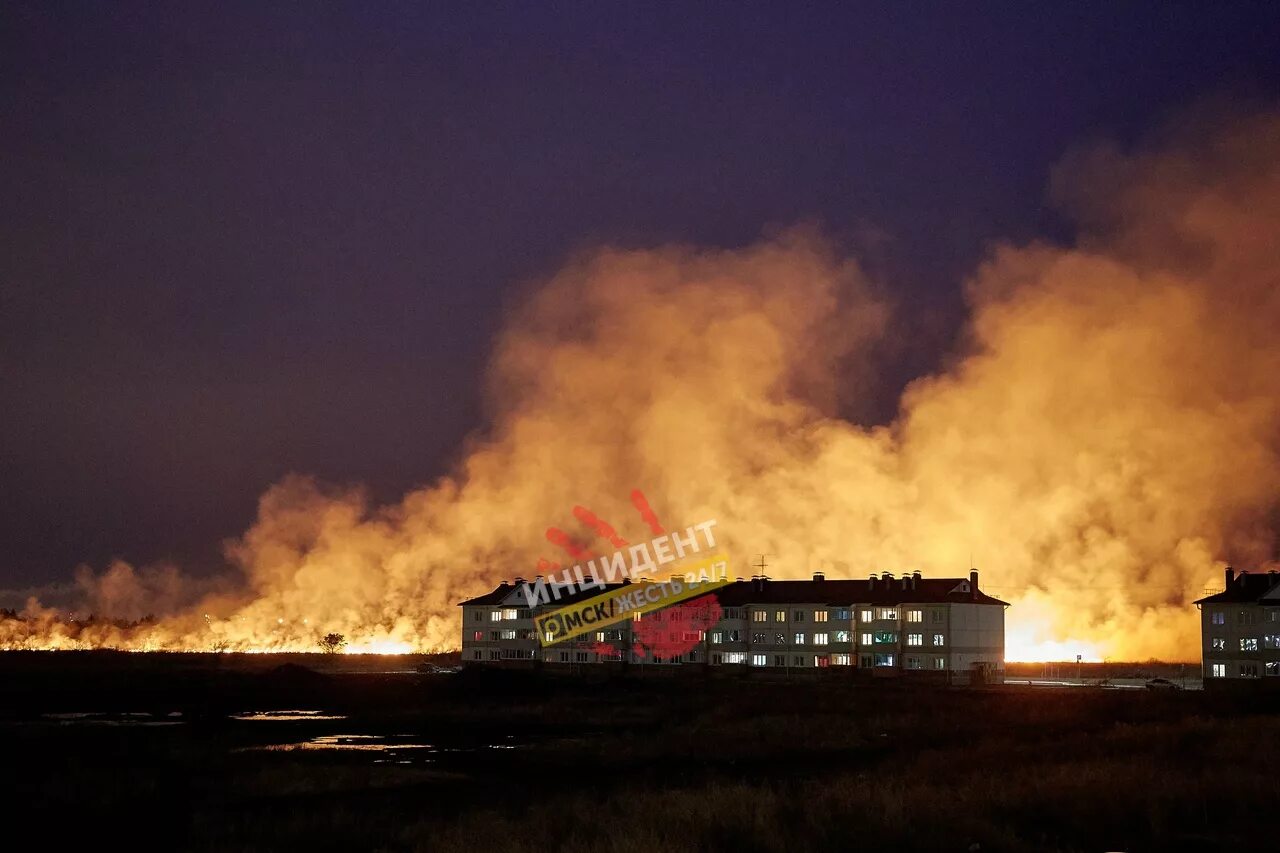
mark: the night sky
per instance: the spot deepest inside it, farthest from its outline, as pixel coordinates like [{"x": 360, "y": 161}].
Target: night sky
[{"x": 242, "y": 240}]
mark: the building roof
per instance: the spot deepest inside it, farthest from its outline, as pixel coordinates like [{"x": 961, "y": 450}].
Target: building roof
[
  {"x": 836, "y": 592},
  {"x": 499, "y": 592},
  {"x": 506, "y": 592},
  {"x": 1247, "y": 588},
  {"x": 881, "y": 591}
]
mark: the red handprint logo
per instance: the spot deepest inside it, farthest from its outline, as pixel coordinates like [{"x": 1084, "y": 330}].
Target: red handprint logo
[{"x": 677, "y": 629}]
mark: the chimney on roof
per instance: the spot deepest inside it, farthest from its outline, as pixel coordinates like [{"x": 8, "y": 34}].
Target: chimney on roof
[
  {"x": 819, "y": 576},
  {"x": 973, "y": 583},
  {"x": 906, "y": 581},
  {"x": 915, "y": 579},
  {"x": 519, "y": 580},
  {"x": 505, "y": 584},
  {"x": 887, "y": 576},
  {"x": 1230, "y": 576},
  {"x": 871, "y": 582}
]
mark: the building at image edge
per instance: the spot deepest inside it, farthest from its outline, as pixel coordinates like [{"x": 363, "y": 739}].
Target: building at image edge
[
  {"x": 941, "y": 628},
  {"x": 1240, "y": 630}
]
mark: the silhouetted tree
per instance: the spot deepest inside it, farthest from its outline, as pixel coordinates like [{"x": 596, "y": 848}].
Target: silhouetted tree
[{"x": 332, "y": 643}]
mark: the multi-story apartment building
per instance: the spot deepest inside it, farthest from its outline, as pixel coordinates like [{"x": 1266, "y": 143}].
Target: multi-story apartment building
[
  {"x": 1240, "y": 628},
  {"x": 883, "y": 626}
]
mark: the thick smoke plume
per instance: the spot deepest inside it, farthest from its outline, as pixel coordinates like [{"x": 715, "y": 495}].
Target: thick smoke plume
[{"x": 1103, "y": 442}]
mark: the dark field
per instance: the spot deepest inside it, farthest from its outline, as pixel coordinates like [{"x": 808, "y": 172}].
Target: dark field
[{"x": 491, "y": 761}]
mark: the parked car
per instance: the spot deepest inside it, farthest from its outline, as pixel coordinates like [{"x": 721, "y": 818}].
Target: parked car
[
  {"x": 433, "y": 669},
  {"x": 1162, "y": 684}
]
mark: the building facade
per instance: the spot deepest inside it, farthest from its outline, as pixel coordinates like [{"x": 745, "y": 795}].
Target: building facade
[
  {"x": 1240, "y": 629},
  {"x": 881, "y": 626}
]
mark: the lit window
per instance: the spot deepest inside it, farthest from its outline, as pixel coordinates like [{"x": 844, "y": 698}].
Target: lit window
[
  {"x": 510, "y": 613},
  {"x": 760, "y": 616},
  {"x": 884, "y": 660},
  {"x": 842, "y": 636},
  {"x": 1271, "y": 641},
  {"x": 495, "y": 616},
  {"x": 758, "y": 660},
  {"x": 1219, "y": 670},
  {"x": 799, "y": 639},
  {"x": 822, "y": 661},
  {"x": 866, "y": 616},
  {"x": 842, "y": 615},
  {"x": 599, "y": 636},
  {"x": 1218, "y": 618},
  {"x": 717, "y": 637},
  {"x": 780, "y": 616},
  {"x": 939, "y": 639},
  {"x": 866, "y": 639},
  {"x": 819, "y": 639},
  {"x": 1218, "y": 643},
  {"x": 887, "y": 613},
  {"x": 735, "y": 657},
  {"x": 478, "y": 635},
  {"x": 758, "y": 637},
  {"x": 779, "y": 639},
  {"x": 839, "y": 660},
  {"x": 1273, "y": 667},
  {"x": 1248, "y": 644},
  {"x": 915, "y": 639},
  {"x": 915, "y": 615},
  {"x": 939, "y": 663},
  {"x": 882, "y": 637},
  {"x": 508, "y": 634},
  {"x": 548, "y": 637},
  {"x": 819, "y": 616}
]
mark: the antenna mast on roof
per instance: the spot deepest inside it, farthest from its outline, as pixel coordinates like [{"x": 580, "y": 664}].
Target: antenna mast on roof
[{"x": 761, "y": 564}]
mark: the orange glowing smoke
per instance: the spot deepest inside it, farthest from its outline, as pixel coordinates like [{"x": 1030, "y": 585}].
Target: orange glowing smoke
[{"x": 1106, "y": 438}]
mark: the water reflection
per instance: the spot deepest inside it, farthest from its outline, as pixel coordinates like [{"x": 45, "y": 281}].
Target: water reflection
[{"x": 294, "y": 715}]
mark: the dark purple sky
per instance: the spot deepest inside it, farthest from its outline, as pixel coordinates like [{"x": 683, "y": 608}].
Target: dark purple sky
[{"x": 238, "y": 240}]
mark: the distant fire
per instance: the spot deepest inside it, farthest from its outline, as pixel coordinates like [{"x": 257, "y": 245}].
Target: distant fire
[{"x": 1105, "y": 438}]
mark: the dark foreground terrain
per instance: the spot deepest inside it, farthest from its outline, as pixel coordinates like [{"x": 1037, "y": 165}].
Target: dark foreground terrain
[{"x": 180, "y": 752}]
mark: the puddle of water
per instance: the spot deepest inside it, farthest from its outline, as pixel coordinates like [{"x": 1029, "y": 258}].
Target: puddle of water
[
  {"x": 392, "y": 746},
  {"x": 388, "y": 749},
  {"x": 287, "y": 716}
]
